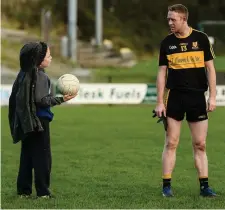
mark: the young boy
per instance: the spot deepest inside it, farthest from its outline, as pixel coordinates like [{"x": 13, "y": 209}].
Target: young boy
[{"x": 29, "y": 117}]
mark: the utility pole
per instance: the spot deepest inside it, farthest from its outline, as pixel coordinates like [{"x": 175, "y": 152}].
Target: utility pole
[
  {"x": 98, "y": 22},
  {"x": 72, "y": 29}
]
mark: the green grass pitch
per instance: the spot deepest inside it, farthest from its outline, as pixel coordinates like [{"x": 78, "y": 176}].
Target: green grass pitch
[{"x": 110, "y": 157}]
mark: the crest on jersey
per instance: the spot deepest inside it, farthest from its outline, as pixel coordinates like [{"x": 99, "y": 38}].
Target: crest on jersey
[{"x": 194, "y": 45}]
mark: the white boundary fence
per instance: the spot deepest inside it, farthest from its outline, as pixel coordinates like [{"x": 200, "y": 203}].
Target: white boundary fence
[{"x": 115, "y": 94}]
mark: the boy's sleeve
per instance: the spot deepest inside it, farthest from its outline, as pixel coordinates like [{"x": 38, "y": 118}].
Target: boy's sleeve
[
  {"x": 207, "y": 48},
  {"x": 162, "y": 55},
  {"x": 42, "y": 96},
  {"x": 49, "y": 100}
]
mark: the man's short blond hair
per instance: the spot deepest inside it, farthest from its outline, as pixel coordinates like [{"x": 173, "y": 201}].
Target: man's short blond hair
[{"x": 179, "y": 8}]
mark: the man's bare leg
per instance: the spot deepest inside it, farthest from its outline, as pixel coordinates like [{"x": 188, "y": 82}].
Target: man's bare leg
[
  {"x": 169, "y": 152},
  {"x": 199, "y": 133}
]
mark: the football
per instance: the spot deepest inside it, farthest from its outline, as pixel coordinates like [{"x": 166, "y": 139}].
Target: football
[{"x": 68, "y": 84}]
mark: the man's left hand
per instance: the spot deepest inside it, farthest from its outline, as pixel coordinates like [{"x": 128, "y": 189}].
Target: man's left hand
[{"x": 211, "y": 104}]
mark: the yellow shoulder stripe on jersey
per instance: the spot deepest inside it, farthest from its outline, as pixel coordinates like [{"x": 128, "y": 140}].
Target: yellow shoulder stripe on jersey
[
  {"x": 211, "y": 48},
  {"x": 186, "y": 60}
]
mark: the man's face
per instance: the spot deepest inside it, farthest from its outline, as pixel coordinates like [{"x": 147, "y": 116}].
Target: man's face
[{"x": 175, "y": 21}]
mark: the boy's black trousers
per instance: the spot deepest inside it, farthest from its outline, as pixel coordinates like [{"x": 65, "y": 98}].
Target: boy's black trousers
[{"x": 35, "y": 154}]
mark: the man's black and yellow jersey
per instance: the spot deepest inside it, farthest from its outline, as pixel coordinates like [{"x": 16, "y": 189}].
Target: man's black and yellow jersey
[{"x": 185, "y": 58}]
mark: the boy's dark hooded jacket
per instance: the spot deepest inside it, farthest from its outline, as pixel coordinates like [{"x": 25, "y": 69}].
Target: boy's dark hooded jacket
[{"x": 29, "y": 93}]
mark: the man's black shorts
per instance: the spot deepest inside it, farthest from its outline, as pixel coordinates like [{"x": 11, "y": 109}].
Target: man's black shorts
[{"x": 191, "y": 103}]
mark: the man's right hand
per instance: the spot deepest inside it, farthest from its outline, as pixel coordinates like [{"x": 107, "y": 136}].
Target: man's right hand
[{"x": 160, "y": 108}]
